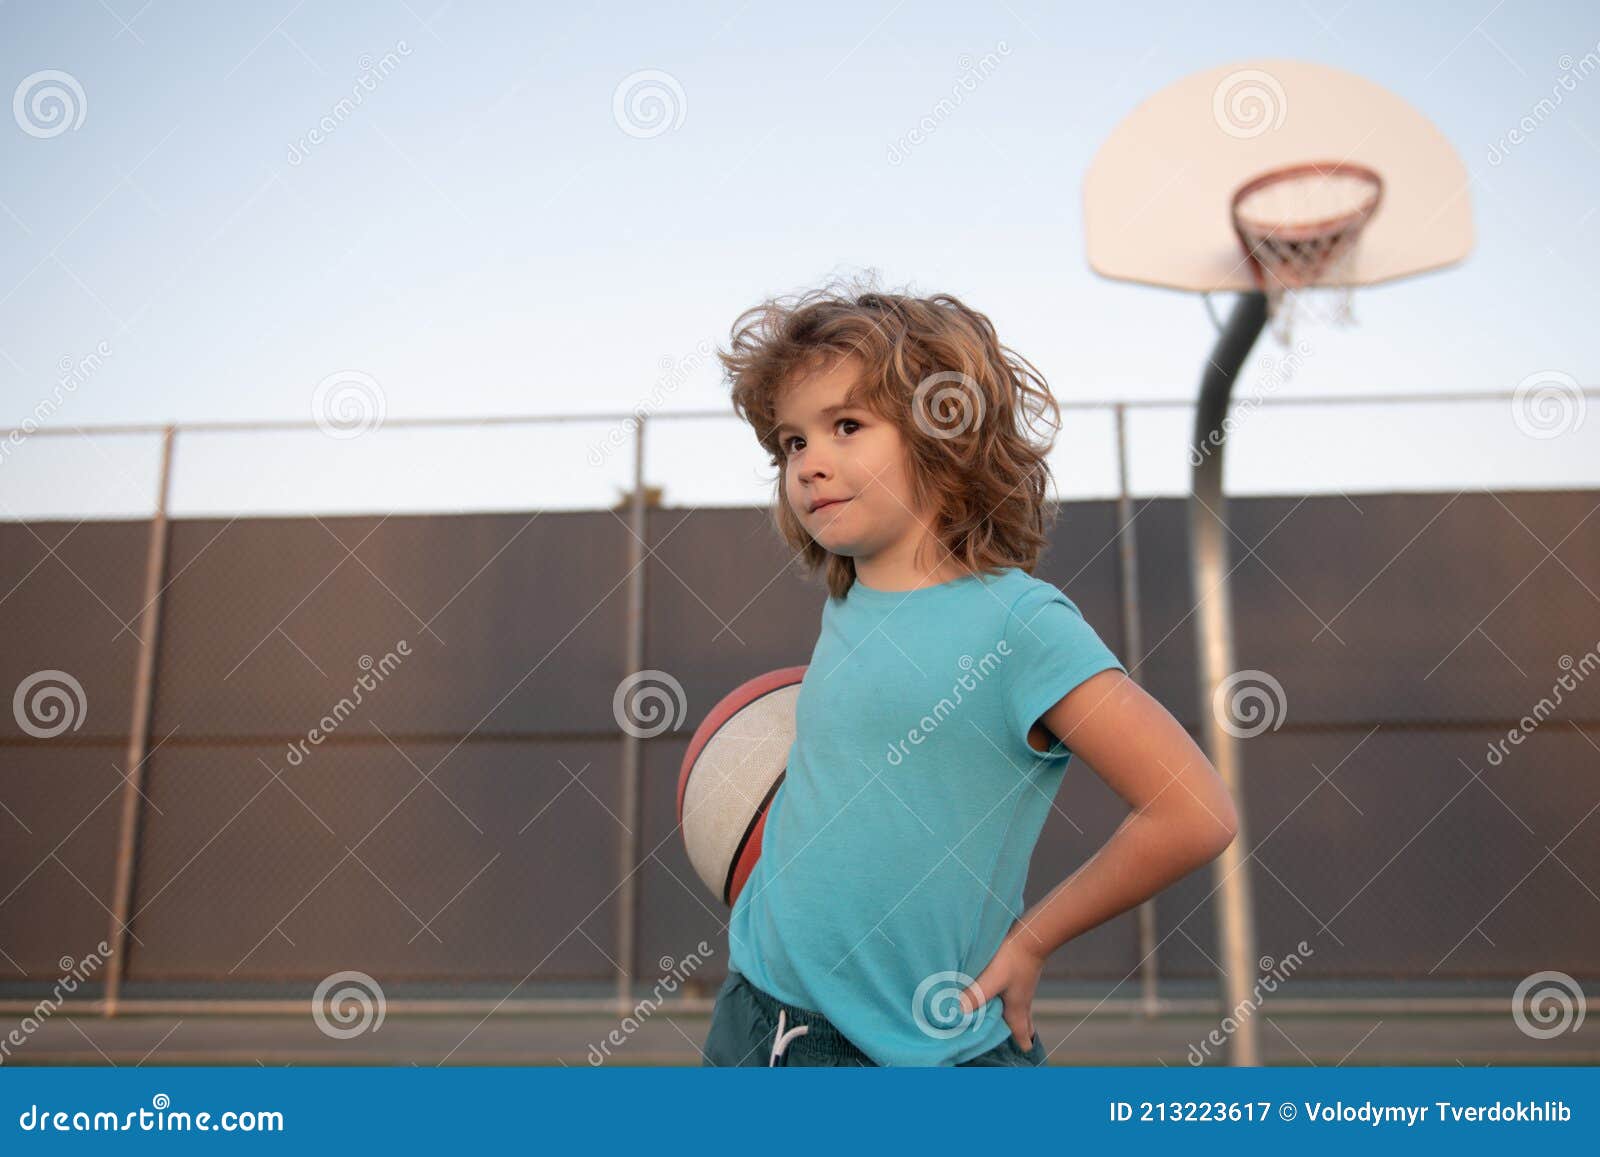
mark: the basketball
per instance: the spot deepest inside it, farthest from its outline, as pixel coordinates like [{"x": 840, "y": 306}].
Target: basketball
[{"x": 733, "y": 767}]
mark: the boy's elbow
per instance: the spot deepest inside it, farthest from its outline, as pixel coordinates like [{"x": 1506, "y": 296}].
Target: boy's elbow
[
  {"x": 1213, "y": 820},
  {"x": 1224, "y": 823},
  {"x": 1204, "y": 829}
]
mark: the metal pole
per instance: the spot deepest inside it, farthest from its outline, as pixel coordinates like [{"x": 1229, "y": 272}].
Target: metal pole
[
  {"x": 1075, "y": 405},
  {"x": 1208, "y": 569},
  {"x": 155, "y": 568},
  {"x": 1133, "y": 656},
  {"x": 628, "y": 850}
]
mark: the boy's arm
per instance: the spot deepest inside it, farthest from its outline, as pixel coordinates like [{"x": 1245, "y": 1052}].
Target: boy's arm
[{"x": 1182, "y": 815}]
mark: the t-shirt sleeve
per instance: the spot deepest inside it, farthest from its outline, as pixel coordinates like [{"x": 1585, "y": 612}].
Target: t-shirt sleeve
[{"x": 1052, "y": 650}]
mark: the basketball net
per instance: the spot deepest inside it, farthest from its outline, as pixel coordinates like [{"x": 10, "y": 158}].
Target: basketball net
[
  {"x": 1322, "y": 304},
  {"x": 1299, "y": 226}
]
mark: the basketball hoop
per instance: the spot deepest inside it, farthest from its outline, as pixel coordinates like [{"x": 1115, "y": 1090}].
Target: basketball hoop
[{"x": 1299, "y": 226}]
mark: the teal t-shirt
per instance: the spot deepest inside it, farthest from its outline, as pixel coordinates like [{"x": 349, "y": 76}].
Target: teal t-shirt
[{"x": 897, "y": 846}]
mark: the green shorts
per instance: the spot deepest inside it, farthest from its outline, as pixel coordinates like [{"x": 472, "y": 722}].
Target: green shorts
[{"x": 745, "y": 1032}]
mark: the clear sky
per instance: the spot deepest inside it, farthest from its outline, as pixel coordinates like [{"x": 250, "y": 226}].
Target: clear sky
[{"x": 484, "y": 232}]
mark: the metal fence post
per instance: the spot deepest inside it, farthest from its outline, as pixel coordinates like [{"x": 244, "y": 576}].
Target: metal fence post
[
  {"x": 144, "y": 694},
  {"x": 628, "y": 903},
  {"x": 1133, "y": 654}
]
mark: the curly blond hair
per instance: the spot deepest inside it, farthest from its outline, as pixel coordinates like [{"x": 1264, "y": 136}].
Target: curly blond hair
[{"x": 965, "y": 405}]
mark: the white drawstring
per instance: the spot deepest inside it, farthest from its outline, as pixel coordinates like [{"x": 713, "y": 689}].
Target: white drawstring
[{"x": 782, "y": 1039}]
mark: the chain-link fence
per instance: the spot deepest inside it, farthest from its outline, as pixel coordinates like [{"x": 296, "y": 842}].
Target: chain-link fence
[{"x": 249, "y": 755}]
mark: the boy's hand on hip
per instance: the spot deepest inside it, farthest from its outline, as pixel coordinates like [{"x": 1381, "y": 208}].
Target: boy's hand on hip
[{"x": 1013, "y": 976}]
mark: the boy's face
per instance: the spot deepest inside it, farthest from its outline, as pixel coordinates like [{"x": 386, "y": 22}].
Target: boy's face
[{"x": 848, "y": 458}]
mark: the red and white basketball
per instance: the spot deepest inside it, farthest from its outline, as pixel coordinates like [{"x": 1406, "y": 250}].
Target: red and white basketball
[{"x": 731, "y": 771}]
